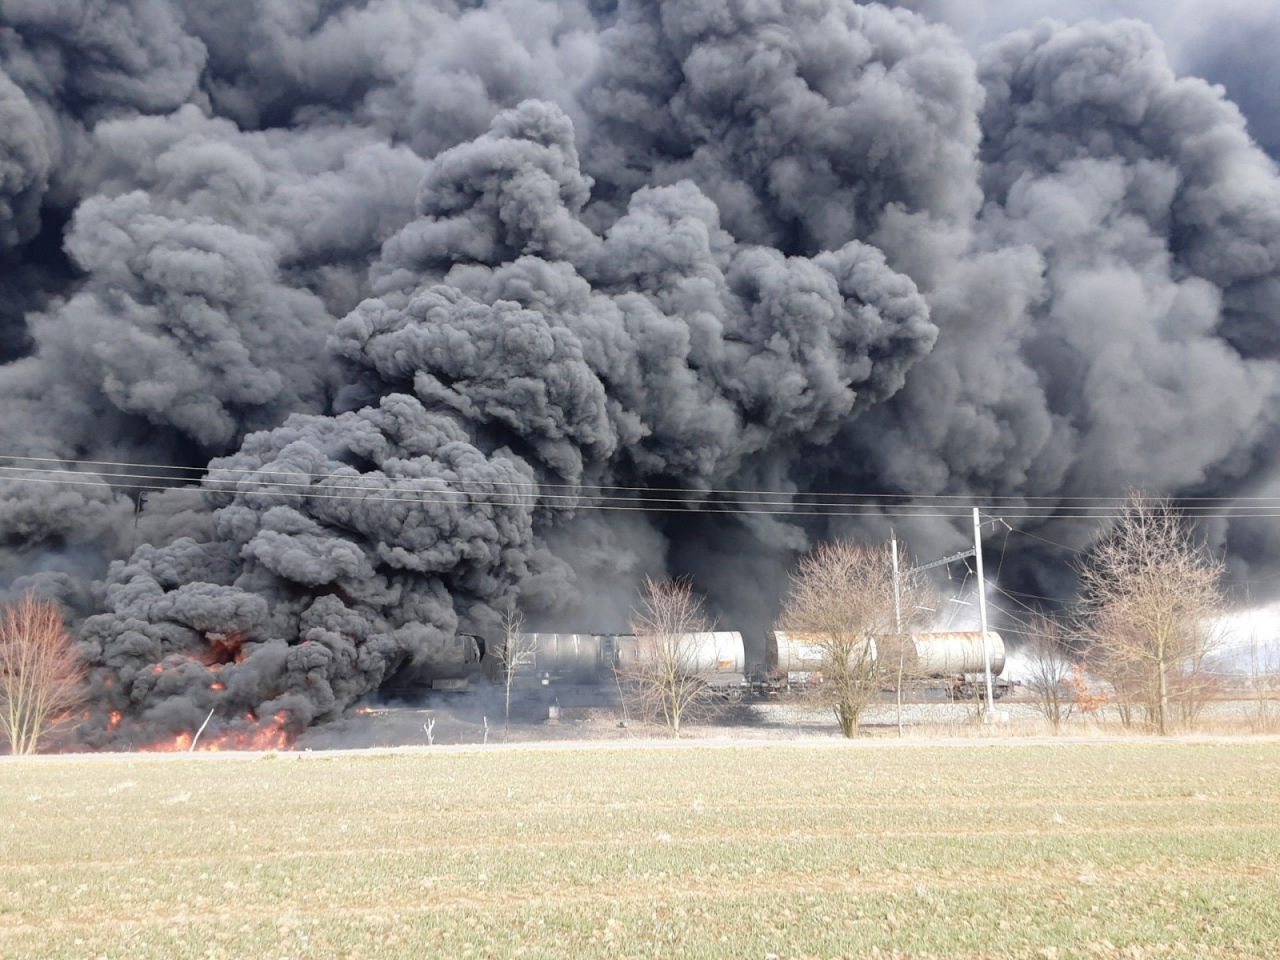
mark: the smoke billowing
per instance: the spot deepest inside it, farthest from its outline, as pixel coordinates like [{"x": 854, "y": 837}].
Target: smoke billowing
[{"x": 412, "y": 281}]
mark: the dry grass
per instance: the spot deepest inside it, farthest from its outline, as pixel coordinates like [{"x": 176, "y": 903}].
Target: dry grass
[
  {"x": 1229, "y": 718},
  {"x": 1061, "y": 850}
]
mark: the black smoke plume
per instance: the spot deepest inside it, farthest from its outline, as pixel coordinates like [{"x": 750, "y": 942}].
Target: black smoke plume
[{"x": 402, "y": 285}]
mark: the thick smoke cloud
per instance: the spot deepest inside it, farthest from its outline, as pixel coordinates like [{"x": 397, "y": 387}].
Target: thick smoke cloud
[
  {"x": 1227, "y": 42},
  {"x": 413, "y": 280},
  {"x": 309, "y": 595},
  {"x": 1118, "y": 310},
  {"x": 804, "y": 125},
  {"x": 512, "y": 345}
]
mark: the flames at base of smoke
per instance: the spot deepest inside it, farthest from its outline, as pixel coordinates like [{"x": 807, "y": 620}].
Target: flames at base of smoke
[{"x": 273, "y": 734}]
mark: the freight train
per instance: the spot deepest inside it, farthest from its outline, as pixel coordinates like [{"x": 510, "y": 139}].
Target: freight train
[{"x": 954, "y": 662}]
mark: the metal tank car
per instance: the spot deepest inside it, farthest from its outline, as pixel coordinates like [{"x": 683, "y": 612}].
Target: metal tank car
[
  {"x": 954, "y": 660},
  {"x": 718, "y": 658}
]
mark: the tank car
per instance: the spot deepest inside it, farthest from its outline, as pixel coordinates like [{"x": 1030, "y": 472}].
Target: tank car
[
  {"x": 954, "y": 660},
  {"x": 800, "y": 657},
  {"x": 567, "y": 657},
  {"x": 718, "y": 658}
]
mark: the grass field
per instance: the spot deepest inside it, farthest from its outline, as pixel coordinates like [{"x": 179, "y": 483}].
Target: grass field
[{"x": 1111, "y": 850}]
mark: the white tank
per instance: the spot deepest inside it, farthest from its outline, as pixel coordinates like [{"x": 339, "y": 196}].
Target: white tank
[
  {"x": 953, "y": 654},
  {"x": 789, "y": 654},
  {"x": 927, "y": 654},
  {"x": 712, "y": 652}
]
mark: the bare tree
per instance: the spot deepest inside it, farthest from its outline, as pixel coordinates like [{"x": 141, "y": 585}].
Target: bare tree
[
  {"x": 1128, "y": 679},
  {"x": 660, "y": 673},
  {"x": 1050, "y": 673},
  {"x": 841, "y": 596},
  {"x": 1264, "y": 678},
  {"x": 516, "y": 652},
  {"x": 40, "y": 672},
  {"x": 1150, "y": 593}
]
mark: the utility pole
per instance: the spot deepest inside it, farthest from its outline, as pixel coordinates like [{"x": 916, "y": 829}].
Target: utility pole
[
  {"x": 982, "y": 611},
  {"x": 897, "y": 624}
]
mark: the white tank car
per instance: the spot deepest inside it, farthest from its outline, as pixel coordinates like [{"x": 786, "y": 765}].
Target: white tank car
[
  {"x": 719, "y": 657},
  {"x": 796, "y": 656},
  {"x": 953, "y": 654}
]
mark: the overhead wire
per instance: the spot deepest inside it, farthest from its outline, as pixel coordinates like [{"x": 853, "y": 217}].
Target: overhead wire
[
  {"x": 443, "y": 485},
  {"x": 529, "y": 492},
  {"x": 1067, "y": 502},
  {"x": 458, "y": 496},
  {"x": 955, "y": 607}
]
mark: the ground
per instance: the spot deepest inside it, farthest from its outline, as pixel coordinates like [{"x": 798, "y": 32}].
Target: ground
[
  {"x": 475, "y": 719},
  {"x": 785, "y": 849}
]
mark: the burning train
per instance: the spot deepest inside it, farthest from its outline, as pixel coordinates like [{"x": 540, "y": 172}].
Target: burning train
[{"x": 954, "y": 662}]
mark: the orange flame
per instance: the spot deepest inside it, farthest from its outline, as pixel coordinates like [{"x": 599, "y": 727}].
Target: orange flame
[
  {"x": 271, "y": 735},
  {"x": 217, "y": 685},
  {"x": 113, "y": 721}
]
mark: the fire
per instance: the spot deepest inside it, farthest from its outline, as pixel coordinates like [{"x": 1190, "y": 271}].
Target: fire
[
  {"x": 158, "y": 669},
  {"x": 113, "y": 720},
  {"x": 225, "y": 648},
  {"x": 217, "y": 685},
  {"x": 273, "y": 734}
]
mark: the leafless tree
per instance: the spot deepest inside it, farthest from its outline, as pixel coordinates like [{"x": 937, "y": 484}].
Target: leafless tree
[
  {"x": 516, "y": 653},
  {"x": 1264, "y": 678},
  {"x": 1049, "y": 670},
  {"x": 1150, "y": 594},
  {"x": 40, "y": 672},
  {"x": 841, "y": 597},
  {"x": 659, "y": 674},
  {"x": 1129, "y": 680}
]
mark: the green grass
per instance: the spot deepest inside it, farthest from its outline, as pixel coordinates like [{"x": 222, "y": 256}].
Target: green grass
[{"x": 1115, "y": 850}]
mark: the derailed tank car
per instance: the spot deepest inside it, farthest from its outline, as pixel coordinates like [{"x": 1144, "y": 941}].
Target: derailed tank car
[{"x": 953, "y": 660}]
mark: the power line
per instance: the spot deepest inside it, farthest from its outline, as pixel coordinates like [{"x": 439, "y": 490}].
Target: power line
[
  {"x": 1033, "y": 596},
  {"x": 1052, "y": 543},
  {"x": 286, "y": 486},
  {"x": 951, "y": 614},
  {"x": 311, "y": 495},
  {"x": 444, "y": 493},
  {"x": 365, "y": 492},
  {"x": 1073, "y": 502}
]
